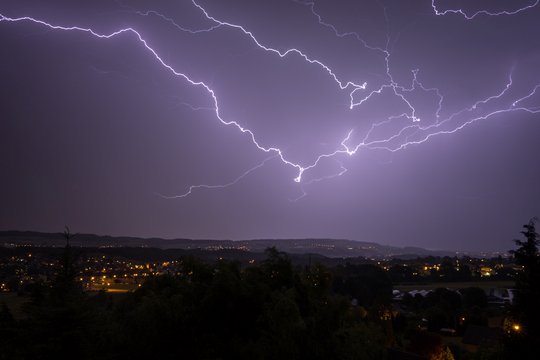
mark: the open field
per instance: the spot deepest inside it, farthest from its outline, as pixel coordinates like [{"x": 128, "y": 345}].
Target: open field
[
  {"x": 455, "y": 285},
  {"x": 114, "y": 288}
]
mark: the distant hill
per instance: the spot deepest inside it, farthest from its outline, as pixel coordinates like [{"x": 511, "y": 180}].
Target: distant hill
[{"x": 336, "y": 248}]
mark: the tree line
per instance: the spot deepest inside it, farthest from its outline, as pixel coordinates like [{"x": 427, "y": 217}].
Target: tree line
[{"x": 273, "y": 310}]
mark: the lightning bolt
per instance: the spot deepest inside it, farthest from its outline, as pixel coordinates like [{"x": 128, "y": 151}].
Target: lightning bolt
[
  {"x": 413, "y": 134},
  {"x": 170, "y": 20},
  {"x": 392, "y": 85},
  {"x": 342, "y": 84},
  {"x": 480, "y": 12},
  {"x": 219, "y": 186},
  {"x": 342, "y": 171},
  {"x": 401, "y": 92},
  {"x": 179, "y": 74}
]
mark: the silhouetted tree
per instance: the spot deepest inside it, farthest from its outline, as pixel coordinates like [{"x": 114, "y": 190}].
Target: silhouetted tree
[
  {"x": 277, "y": 268},
  {"x": 369, "y": 284},
  {"x": 526, "y": 310},
  {"x": 65, "y": 284},
  {"x": 528, "y": 279}
]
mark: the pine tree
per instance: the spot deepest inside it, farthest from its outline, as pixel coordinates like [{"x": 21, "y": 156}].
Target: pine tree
[{"x": 528, "y": 280}]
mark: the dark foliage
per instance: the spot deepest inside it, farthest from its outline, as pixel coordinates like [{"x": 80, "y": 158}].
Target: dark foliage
[
  {"x": 525, "y": 310},
  {"x": 219, "y": 311},
  {"x": 368, "y": 284}
]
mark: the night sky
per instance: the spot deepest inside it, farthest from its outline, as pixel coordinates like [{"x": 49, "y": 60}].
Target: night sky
[{"x": 439, "y": 149}]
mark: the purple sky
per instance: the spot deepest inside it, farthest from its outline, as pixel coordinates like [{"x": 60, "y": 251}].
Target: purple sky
[{"x": 439, "y": 149}]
